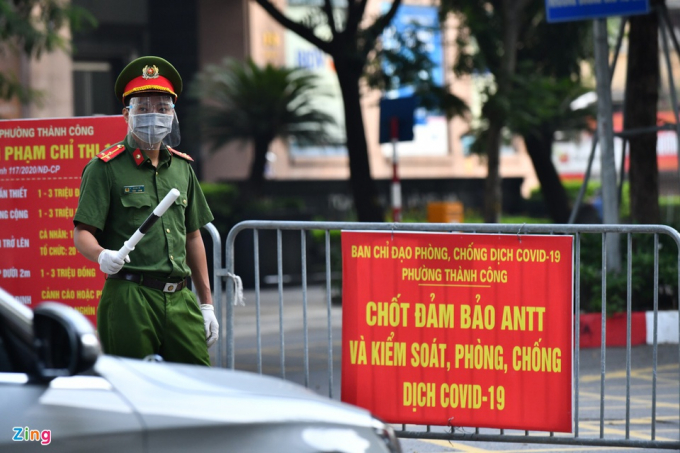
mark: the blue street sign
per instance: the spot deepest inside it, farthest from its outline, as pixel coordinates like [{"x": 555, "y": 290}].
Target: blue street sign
[
  {"x": 568, "y": 10},
  {"x": 401, "y": 109}
]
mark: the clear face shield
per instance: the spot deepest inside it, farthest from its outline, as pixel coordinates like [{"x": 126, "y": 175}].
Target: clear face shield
[{"x": 152, "y": 120}]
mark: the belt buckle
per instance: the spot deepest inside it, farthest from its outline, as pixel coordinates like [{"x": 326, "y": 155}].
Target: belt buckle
[{"x": 170, "y": 287}]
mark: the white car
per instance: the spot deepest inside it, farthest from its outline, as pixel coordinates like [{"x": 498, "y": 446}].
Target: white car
[{"x": 58, "y": 390}]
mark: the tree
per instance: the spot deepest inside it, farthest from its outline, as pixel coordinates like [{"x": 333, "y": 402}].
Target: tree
[
  {"x": 244, "y": 102},
  {"x": 495, "y": 26},
  {"x": 546, "y": 111},
  {"x": 533, "y": 87},
  {"x": 547, "y": 82},
  {"x": 640, "y": 111},
  {"x": 352, "y": 39},
  {"x": 34, "y": 27}
]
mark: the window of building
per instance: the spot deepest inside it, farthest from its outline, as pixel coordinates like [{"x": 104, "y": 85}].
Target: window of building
[{"x": 92, "y": 88}]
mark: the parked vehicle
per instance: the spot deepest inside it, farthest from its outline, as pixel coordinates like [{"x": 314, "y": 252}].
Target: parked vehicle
[{"x": 58, "y": 389}]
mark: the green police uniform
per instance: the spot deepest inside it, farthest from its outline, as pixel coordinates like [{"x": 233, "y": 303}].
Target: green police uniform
[{"x": 119, "y": 189}]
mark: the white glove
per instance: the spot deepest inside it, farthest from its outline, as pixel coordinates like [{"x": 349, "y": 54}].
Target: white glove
[
  {"x": 109, "y": 263},
  {"x": 212, "y": 329}
]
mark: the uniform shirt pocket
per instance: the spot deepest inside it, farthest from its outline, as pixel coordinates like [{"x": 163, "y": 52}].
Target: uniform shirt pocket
[
  {"x": 182, "y": 200},
  {"x": 137, "y": 206}
]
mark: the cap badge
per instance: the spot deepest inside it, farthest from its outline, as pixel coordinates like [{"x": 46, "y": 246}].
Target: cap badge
[{"x": 150, "y": 72}]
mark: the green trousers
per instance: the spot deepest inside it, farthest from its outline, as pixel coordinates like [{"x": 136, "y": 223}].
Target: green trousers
[{"x": 136, "y": 321}]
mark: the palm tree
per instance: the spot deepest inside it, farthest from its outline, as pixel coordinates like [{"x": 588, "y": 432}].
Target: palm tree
[{"x": 251, "y": 104}]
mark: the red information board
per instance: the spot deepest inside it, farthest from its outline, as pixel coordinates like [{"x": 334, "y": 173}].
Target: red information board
[
  {"x": 41, "y": 162},
  {"x": 459, "y": 329}
]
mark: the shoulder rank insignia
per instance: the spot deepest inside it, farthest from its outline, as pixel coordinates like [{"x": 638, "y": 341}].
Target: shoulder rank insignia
[
  {"x": 111, "y": 152},
  {"x": 139, "y": 157},
  {"x": 182, "y": 155}
]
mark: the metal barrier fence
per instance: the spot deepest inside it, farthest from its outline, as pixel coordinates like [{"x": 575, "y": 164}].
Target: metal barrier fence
[{"x": 603, "y": 436}]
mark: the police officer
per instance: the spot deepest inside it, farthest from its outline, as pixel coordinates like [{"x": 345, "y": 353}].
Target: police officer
[{"x": 146, "y": 308}]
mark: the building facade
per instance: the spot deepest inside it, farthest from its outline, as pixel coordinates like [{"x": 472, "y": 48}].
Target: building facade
[{"x": 195, "y": 33}]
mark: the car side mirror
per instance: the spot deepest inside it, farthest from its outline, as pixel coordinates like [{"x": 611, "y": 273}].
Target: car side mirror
[{"x": 64, "y": 341}]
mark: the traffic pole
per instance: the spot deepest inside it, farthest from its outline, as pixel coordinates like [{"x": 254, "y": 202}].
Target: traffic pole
[{"x": 396, "y": 185}]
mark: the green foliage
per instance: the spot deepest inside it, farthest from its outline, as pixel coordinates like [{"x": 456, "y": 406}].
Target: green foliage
[
  {"x": 245, "y": 102},
  {"x": 229, "y": 207},
  {"x": 593, "y": 190},
  {"x": 557, "y": 49},
  {"x": 11, "y": 87},
  {"x": 33, "y": 27},
  {"x": 318, "y": 241},
  {"x": 539, "y": 99},
  {"x": 400, "y": 59},
  {"x": 474, "y": 216},
  {"x": 572, "y": 187},
  {"x": 223, "y": 200},
  {"x": 642, "y": 259},
  {"x": 545, "y": 80},
  {"x": 669, "y": 207},
  {"x": 479, "y": 37},
  {"x": 642, "y": 271}
]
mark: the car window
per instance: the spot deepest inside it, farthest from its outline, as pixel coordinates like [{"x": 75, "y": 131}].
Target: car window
[
  {"x": 16, "y": 356},
  {"x": 5, "y": 364}
]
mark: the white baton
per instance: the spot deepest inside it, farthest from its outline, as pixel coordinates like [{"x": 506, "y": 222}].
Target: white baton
[{"x": 148, "y": 223}]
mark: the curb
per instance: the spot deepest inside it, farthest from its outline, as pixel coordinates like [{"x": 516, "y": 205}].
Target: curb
[
  {"x": 667, "y": 327},
  {"x": 642, "y": 329}
]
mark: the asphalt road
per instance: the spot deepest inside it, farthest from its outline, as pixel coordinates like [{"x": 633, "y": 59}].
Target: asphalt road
[{"x": 324, "y": 352}]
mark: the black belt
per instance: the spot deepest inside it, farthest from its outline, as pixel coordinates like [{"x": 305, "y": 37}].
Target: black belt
[{"x": 150, "y": 282}]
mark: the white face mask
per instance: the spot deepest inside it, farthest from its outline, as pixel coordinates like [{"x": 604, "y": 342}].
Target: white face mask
[{"x": 151, "y": 127}]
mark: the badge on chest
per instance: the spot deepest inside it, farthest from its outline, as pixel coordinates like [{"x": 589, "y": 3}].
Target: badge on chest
[{"x": 134, "y": 189}]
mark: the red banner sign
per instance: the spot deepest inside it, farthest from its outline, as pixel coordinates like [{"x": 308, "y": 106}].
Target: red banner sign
[
  {"x": 459, "y": 329},
  {"x": 41, "y": 162}
]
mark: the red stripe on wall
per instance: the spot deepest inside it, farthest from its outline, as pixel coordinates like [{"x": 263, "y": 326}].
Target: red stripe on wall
[{"x": 591, "y": 332}]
